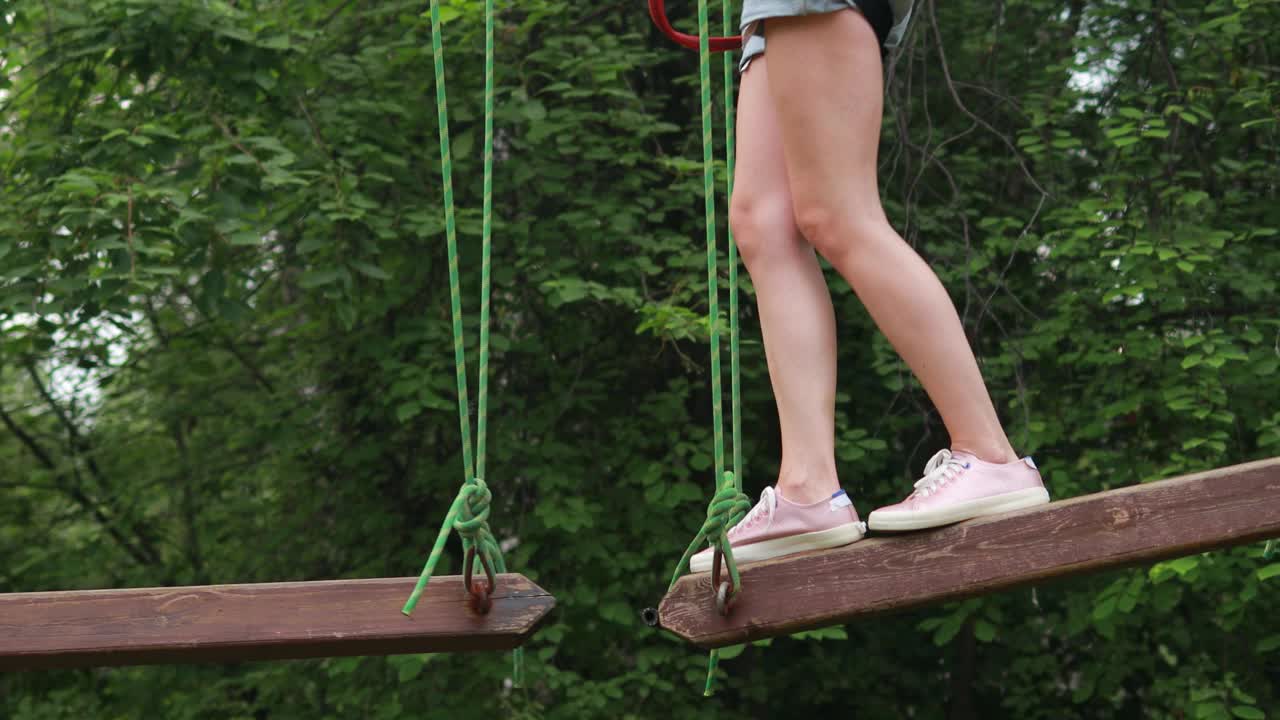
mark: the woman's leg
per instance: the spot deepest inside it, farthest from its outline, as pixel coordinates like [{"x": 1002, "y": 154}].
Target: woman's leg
[
  {"x": 826, "y": 84},
  {"x": 806, "y": 512},
  {"x": 796, "y": 316}
]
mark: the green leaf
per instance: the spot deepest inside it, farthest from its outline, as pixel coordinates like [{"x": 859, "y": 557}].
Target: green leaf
[
  {"x": 534, "y": 111},
  {"x": 1212, "y": 711},
  {"x": 827, "y": 633},
  {"x": 732, "y": 651},
  {"x": 370, "y": 270},
  {"x": 1193, "y": 198},
  {"x": 948, "y": 629},
  {"x": 313, "y": 243},
  {"x": 1243, "y": 696},
  {"x": 1199, "y": 695},
  {"x": 1247, "y": 712},
  {"x": 1269, "y": 571},
  {"x": 77, "y": 184},
  {"x": 1104, "y": 608},
  {"x": 318, "y": 278},
  {"x": 407, "y": 411},
  {"x": 409, "y": 667},
  {"x": 463, "y": 144},
  {"x": 1268, "y": 644},
  {"x": 275, "y": 42},
  {"x": 1183, "y": 565},
  {"x": 346, "y": 315}
]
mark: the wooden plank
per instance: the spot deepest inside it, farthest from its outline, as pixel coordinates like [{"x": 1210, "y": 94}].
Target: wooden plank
[
  {"x": 274, "y": 621},
  {"x": 1128, "y": 526}
]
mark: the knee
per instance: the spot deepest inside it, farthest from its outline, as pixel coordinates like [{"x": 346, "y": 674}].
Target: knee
[
  {"x": 838, "y": 231},
  {"x": 761, "y": 226}
]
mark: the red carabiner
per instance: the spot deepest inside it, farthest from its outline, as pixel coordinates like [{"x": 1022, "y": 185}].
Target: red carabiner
[{"x": 658, "y": 11}]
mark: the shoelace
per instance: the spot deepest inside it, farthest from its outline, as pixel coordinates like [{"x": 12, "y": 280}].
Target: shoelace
[
  {"x": 941, "y": 469},
  {"x": 763, "y": 509}
]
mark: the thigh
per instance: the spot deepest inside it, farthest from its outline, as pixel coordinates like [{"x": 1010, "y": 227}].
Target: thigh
[
  {"x": 760, "y": 187},
  {"x": 827, "y": 89}
]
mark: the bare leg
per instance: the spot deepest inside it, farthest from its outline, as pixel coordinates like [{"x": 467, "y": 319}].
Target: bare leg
[
  {"x": 827, "y": 88},
  {"x": 796, "y": 316}
]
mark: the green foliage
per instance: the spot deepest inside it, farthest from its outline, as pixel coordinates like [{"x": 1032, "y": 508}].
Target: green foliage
[{"x": 226, "y": 351}]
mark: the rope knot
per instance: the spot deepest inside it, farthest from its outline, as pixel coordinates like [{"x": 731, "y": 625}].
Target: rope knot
[
  {"x": 727, "y": 507},
  {"x": 472, "y": 522}
]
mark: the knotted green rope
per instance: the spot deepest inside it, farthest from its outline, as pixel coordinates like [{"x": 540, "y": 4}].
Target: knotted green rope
[
  {"x": 469, "y": 512},
  {"x": 469, "y": 516},
  {"x": 727, "y": 507},
  {"x": 729, "y": 504}
]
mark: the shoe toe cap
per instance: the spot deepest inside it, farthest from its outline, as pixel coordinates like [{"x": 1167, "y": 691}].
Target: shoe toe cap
[{"x": 902, "y": 508}]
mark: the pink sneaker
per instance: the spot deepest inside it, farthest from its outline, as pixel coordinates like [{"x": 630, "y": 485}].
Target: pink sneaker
[
  {"x": 776, "y": 526},
  {"x": 958, "y": 487}
]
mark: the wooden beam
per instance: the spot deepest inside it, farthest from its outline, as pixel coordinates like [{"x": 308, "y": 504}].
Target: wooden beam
[
  {"x": 275, "y": 621},
  {"x": 1127, "y": 526}
]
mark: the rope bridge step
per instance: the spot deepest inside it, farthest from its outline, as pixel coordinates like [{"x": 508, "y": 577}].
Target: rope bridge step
[
  {"x": 1133, "y": 525},
  {"x": 272, "y": 621}
]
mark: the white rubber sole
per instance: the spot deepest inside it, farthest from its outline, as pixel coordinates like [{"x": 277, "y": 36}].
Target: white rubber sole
[
  {"x": 994, "y": 505},
  {"x": 777, "y": 547}
]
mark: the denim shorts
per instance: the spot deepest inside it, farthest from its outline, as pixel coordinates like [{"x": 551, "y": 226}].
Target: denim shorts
[{"x": 887, "y": 17}]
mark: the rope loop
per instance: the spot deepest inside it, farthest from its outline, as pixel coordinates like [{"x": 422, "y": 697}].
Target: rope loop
[{"x": 481, "y": 593}]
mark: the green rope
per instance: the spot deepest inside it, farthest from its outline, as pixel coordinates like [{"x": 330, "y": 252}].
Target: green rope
[
  {"x": 735, "y": 364},
  {"x": 468, "y": 515},
  {"x": 486, "y": 242},
  {"x": 709, "y": 203},
  {"x": 729, "y": 504}
]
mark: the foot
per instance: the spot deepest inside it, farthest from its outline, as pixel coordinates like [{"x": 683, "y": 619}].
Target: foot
[
  {"x": 958, "y": 487},
  {"x": 776, "y": 527}
]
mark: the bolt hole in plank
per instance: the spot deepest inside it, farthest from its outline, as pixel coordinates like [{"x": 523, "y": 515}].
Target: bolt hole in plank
[
  {"x": 270, "y": 621},
  {"x": 1128, "y": 526}
]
